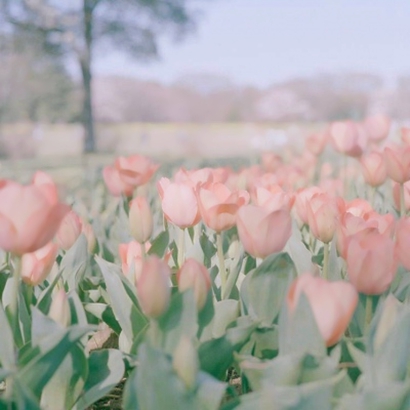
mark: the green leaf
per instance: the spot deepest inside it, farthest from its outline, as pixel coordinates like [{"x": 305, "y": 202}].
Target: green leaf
[
  {"x": 38, "y": 371},
  {"x": 106, "y": 369},
  {"x": 160, "y": 244},
  {"x": 127, "y": 313},
  {"x": 216, "y": 356},
  {"x": 298, "y": 331},
  {"x": 268, "y": 285},
  {"x": 7, "y": 357},
  {"x": 179, "y": 320}
]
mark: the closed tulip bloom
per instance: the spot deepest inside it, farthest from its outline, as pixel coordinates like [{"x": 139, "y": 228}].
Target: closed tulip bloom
[
  {"x": 273, "y": 198},
  {"x": 194, "y": 275},
  {"x": 140, "y": 219},
  {"x": 403, "y": 242},
  {"x": 263, "y": 232},
  {"x": 113, "y": 181},
  {"x": 371, "y": 262},
  {"x": 153, "y": 287},
  {"x": 88, "y": 231},
  {"x": 302, "y": 197},
  {"x": 35, "y": 266},
  {"x": 179, "y": 203},
  {"x": 69, "y": 230},
  {"x": 397, "y": 161},
  {"x": 29, "y": 217},
  {"x": 131, "y": 257},
  {"x": 322, "y": 213},
  {"x": 405, "y": 135},
  {"x": 348, "y": 138},
  {"x": 135, "y": 170},
  {"x": 46, "y": 183},
  {"x": 377, "y": 127},
  {"x": 374, "y": 169},
  {"x": 316, "y": 142},
  {"x": 332, "y": 304},
  {"x": 60, "y": 308},
  {"x": 219, "y": 205}
]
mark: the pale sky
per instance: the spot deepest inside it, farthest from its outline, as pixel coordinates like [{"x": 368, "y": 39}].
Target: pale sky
[{"x": 260, "y": 42}]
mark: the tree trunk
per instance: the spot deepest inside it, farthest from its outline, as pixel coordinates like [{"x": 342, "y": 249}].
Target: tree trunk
[{"x": 85, "y": 62}]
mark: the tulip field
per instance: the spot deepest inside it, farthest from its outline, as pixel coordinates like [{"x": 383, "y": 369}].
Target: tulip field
[{"x": 280, "y": 285}]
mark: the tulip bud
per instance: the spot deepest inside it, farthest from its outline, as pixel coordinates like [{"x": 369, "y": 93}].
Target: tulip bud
[
  {"x": 140, "y": 219},
  {"x": 60, "y": 308},
  {"x": 185, "y": 362},
  {"x": 69, "y": 230},
  {"x": 153, "y": 287},
  {"x": 35, "y": 266},
  {"x": 88, "y": 232},
  {"x": 374, "y": 169},
  {"x": 195, "y": 275}
]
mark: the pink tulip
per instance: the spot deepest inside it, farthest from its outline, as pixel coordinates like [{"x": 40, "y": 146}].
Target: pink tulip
[
  {"x": 271, "y": 161},
  {"x": 153, "y": 287},
  {"x": 332, "y": 304},
  {"x": 263, "y": 232},
  {"x": 397, "y": 161},
  {"x": 88, "y": 231},
  {"x": 373, "y": 169},
  {"x": 29, "y": 216},
  {"x": 403, "y": 242},
  {"x": 377, "y": 127},
  {"x": 135, "y": 170},
  {"x": 322, "y": 213},
  {"x": 218, "y": 205},
  {"x": 193, "y": 274},
  {"x": 179, "y": 203},
  {"x": 35, "y": 266},
  {"x": 69, "y": 230},
  {"x": 195, "y": 177},
  {"x": 131, "y": 257},
  {"x": 405, "y": 135},
  {"x": 316, "y": 142},
  {"x": 273, "y": 198},
  {"x": 46, "y": 183},
  {"x": 348, "y": 138},
  {"x": 115, "y": 184},
  {"x": 371, "y": 262},
  {"x": 140, "y": 219},
  {"x": 303, "y": 195}
]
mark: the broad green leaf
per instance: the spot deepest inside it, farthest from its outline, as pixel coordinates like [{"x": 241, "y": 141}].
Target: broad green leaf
[
  {"x": 7, "y": 356},
  {"x": 106, "y": 369},
  {"x": 268, "y": 285},
  {"x": 160, "y": 244}
]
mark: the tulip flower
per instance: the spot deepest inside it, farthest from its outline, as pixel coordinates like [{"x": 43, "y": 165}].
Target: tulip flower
[
  {"x": 113, "y": 181},
  {"x": 371, "y": 262},
  {"x": 195, "y": 275},
  {"x": 132, "y": 256},
  {"x": 302, "y": 197},
  {"x": 405, "y": 134},
  {"x": 218, "y": 205},
  {"x": 271, "y": 161},
  {"x": 46, "y": 183},
  {"x": 373, "y": 169},
  {"x": 153, "y": 287},
  {"x": 140, "y": 219},
  {"x": 69, "y": 230},
  {"x": 332, "y": 304},
  {"x": 195, "y": 177},
  {"x": 273, "y": 197},
  {"x": 377, "y": 127},
  {"x": 316, "y": 142},
  {"x": 29, "y": 216},
  {"x": 128, "y": 173},
  {"x": 36, "y": 266},
  {"x": 60, "y": 308},
  {"x": 348, "y": 138},
  {"x": 403, "y": 242},
  {"x": 88, "y": 231},
  {"x": 397, "y": 161},
  {"x": 263, "y": 232},
  {"x": 179, "y": 203},
  {"x": 322, "y": 212}
]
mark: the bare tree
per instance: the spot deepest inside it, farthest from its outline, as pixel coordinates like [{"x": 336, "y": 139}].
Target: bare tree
[{"x": 74, "y": 28}]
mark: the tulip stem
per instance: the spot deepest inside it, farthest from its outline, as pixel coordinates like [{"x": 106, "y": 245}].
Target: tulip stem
[
  {"x": 15, "y": 294},
  {"x": 372, "y": 195},
  {"x": 222, "y": 270},
  {"x": 181, "y": 247},
  {"x": 368, "y": 311},
  {"x": 325, "y": 261},
  {"x": 402, "y": 203}
]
